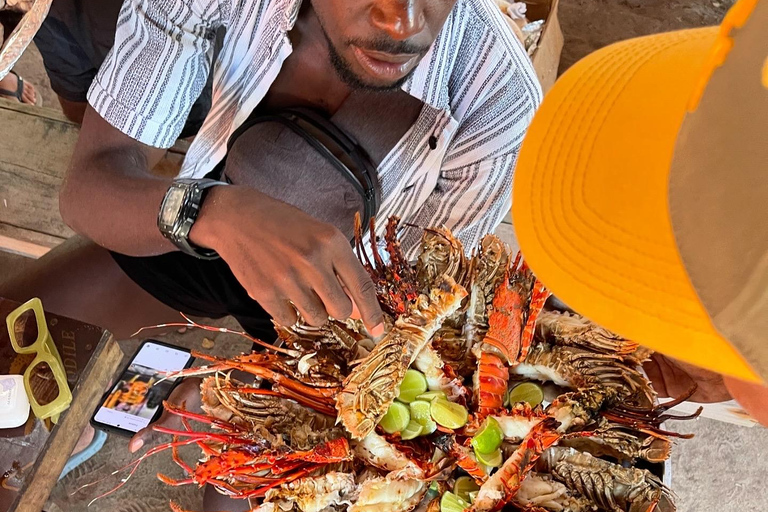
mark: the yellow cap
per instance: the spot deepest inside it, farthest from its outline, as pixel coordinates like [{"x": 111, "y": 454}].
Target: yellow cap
[{"x": 591, "y": 192}]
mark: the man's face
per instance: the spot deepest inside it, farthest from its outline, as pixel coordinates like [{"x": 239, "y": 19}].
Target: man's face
[{"x": 376, "y": 44}]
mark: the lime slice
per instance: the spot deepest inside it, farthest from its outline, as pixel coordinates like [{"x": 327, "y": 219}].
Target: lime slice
[
  {"x": 420, "y": 411},
  {"x": 463, "y": 486},
  {"x": 489, "y": 438},
  {"x": 452, "y": 503},
  {"x": 431, "y": 395},
  {"x": 527, "y": 392},
  {"x": 429, "y": 427},
  {"x": 492, "y": 459},
  {"x": 396, "y": 418},
  {"x": 448, "y": 414},
  {"x": 411, "y": 431},
  {"x": 414, "y": 383}
]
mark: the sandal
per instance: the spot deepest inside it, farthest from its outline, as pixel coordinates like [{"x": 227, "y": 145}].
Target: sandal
[
  {"x": 19, "y": 91},
  {"x": 99, "y": 437}
]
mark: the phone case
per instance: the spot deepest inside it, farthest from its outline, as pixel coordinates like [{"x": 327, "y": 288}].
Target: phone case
[{"x": 125, "y": 432}]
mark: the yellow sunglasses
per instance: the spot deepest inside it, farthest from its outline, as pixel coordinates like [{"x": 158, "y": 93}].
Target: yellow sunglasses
[{"x": 46, "y": 369}]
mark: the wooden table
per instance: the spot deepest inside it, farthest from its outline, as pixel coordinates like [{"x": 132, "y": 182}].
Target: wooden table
[{"x": 31, "y": 458}]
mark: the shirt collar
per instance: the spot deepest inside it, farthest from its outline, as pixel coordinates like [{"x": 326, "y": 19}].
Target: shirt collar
[{"x": 428, "y": 82}]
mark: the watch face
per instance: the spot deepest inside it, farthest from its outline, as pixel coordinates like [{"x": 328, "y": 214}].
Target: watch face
[{"x": 174, "y": 199}]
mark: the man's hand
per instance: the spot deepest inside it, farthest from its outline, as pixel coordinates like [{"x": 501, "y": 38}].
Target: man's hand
[
  {"x": 672, "y": 378},
  {"x": 186, "y": 395},
  {"x": 284, "y": 258}
]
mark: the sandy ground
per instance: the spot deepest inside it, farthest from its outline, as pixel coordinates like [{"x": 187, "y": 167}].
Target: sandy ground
[{"x": 722, "y": 468}]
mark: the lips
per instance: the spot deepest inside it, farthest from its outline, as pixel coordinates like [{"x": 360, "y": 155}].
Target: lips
[{"x": 383, "y": 65}]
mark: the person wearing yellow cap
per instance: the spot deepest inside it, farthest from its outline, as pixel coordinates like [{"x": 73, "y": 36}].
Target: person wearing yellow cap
[{"x": 641, "y": 193}]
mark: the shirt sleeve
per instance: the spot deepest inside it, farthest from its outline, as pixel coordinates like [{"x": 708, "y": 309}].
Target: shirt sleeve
[
  {"x": 157, "y": 67},
  {"x": 474, "y": 190}
]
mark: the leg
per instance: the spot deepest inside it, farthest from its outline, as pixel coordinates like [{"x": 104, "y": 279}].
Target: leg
[
  {"x": 80, "y": 280},
  {"x": 214, "y": 501}
]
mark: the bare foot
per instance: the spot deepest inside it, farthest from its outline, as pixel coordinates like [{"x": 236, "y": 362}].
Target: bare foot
[
  {"x": 85, "y": 439},
  {"x": 10, "y": 84}
]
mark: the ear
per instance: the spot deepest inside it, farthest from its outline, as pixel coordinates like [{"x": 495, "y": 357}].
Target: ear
[{"x": 752, "y": 397}]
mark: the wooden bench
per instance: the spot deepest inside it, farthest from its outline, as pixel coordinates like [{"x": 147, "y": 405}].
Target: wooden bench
[{"x": 36, "y": 146}]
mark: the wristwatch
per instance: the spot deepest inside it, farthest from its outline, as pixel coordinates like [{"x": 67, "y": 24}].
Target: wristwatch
[{"x": 178, "y": 213}]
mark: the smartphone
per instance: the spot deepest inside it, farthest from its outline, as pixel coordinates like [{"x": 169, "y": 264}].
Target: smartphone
[{"x": 136, "y": 399}]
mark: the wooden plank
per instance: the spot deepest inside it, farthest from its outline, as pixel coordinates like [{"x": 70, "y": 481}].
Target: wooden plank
[
  {"x": 36, "y": 147},
  {"x": 29, "y": 199},
  {"x": 29, "y": 236},
  {"x": 39, "y": 140},
  {"x": 22, "y": 248},
  {"x": 87, "y": 393}
]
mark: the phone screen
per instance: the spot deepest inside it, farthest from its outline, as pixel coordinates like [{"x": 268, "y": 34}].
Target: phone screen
[{"x": 139, "y": 392}]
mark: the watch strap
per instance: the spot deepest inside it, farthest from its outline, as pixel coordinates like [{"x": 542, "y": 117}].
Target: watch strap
[{"x": 194, "y": 194}]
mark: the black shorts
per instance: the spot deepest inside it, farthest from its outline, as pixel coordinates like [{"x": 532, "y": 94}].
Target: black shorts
[{"x": 199, "y": 288}]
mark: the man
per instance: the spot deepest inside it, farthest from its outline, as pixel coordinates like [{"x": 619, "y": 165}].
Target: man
[
  {"x": 639, "y": 200},
  {"x": 474, "y": 92},
  {"x": 438, "y": 92}
]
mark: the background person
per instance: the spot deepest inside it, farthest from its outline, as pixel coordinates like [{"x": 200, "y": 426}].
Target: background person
[{"x": 639, "y": 194}]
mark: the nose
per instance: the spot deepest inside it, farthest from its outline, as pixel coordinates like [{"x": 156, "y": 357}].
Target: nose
[{"x": 400, "y": 19}]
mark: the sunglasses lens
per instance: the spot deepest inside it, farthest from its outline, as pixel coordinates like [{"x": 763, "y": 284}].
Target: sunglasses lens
[
  {"x": 25, "y": 329},
  {"x": 43, "y": 384}
]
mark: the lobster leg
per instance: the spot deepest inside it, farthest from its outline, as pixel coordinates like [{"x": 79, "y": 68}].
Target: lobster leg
[
  {"x": 202, "y": 418},
  {"x": 463, "y": 458}
]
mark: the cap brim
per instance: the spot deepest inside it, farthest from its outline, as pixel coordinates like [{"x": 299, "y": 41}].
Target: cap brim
[
  {"x": 22, "y": 35},
  {"x": 590, "y": 202}
]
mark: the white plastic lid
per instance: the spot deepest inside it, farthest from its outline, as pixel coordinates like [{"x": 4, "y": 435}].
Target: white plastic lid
[{"x": 14, "y": 404}]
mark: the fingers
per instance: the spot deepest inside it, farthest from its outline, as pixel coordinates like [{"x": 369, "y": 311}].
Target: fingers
[
  {"x": 306, "y": 302},
  {"x": 185, "y": 395},
  {"x": 337, "y": 302},
  {"x": 360, "y": 286},
  {"x": 146, "y": 435},
  {"x": 280, "y": 309}
]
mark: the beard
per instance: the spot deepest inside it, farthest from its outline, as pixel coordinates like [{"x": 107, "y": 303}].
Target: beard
[{"x": 344, "y": 70}]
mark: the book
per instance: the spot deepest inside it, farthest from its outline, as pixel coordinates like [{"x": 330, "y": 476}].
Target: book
[{"x": 22, "y": 448}]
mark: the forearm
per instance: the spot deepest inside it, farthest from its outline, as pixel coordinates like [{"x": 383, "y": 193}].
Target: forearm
[
  {"x": 109, "y": 194},
  {"x": 118, "y": 211}
]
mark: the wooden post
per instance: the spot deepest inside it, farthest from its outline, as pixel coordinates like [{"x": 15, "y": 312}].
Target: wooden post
[{"x": 86, "y": 395}]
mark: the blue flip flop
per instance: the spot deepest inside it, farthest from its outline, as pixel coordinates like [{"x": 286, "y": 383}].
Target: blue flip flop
[{"x": 99, "y": 437}]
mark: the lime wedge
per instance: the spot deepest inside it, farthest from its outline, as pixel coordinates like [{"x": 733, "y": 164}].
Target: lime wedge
[
  {"x": 414, "y": 383},
  {"x": 429, "y": 427},
  {"x": 420, "y": 411},
  {"x": 489, "y": 438},
  {"x": 431, "y": 395},
  {"x": 492, "y": 459},
  {"x": 527, "y": 392},
  {"x": 448, "y": 414},
  {"x": 452, "y": 503},
  {"x": 411, "y": 431},
  {"x": 396, "y": 418},
  {"x": 464, "y": 486}
]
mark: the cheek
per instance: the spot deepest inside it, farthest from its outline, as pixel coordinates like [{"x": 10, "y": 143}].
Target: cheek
[{"x": 436, "y": 12}]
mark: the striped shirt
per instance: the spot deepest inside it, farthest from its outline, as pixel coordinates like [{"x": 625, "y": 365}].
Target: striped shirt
[{"x": 452, "y": 168}]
